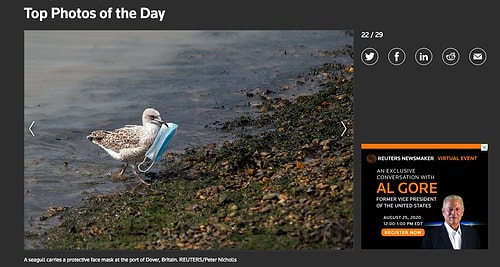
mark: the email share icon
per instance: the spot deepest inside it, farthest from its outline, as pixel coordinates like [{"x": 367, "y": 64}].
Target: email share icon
[{"x": 477, "y": 56}]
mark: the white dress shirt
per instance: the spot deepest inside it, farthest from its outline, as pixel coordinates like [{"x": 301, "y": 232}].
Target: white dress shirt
[{"x": 455, "y": 236}]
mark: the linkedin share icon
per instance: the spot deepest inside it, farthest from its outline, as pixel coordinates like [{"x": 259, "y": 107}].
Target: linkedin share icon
[
  {"x": 396, "y": 56},
  {"x": 423, "y": 56},
  {"x": 369, "y": 56}
]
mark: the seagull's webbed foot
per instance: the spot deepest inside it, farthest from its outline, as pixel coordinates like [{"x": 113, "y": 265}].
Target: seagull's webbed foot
[{"x": 139, "y": 177}]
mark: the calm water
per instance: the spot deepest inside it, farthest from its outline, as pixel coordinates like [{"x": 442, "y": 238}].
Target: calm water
[{"x": 79, "y": 81}]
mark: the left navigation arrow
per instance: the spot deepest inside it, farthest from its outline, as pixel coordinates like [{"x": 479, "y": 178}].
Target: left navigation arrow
[{"x": 31, "y": 126}]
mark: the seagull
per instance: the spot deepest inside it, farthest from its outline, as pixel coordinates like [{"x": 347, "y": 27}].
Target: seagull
[{"x": 130, "y": 143}]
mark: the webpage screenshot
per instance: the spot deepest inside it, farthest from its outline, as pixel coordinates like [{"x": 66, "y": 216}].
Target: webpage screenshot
[{"x": 162, "y": 133}]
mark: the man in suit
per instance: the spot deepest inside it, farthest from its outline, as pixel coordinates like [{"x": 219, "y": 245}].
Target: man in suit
[{"x": 452, "y": 234}]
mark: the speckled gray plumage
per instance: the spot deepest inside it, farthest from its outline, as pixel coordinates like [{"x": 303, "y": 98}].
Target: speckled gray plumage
[{"x": 130, "y": 143}]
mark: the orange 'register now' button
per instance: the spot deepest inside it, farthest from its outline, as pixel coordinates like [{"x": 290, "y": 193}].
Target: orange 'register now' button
[{"x": 403, "y": 232}]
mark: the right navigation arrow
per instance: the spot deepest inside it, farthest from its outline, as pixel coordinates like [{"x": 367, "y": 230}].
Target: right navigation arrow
[{"x": 345, "y": 128}]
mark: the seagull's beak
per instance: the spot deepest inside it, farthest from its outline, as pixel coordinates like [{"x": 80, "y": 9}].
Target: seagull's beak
[{"x": 161, "y": 121}]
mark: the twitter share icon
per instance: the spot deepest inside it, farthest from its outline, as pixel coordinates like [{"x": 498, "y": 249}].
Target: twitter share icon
[{"x": 369, "y": 56}]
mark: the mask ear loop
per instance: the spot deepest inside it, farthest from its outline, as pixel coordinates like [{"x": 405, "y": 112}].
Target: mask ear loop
[{"x": 140, "y": 164}]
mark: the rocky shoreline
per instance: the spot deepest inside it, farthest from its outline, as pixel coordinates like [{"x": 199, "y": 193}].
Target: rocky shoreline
[{"x": 286, "y": 182}]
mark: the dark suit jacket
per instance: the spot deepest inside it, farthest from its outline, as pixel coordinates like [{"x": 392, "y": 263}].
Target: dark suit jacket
[{"x": 437, "y": 238}]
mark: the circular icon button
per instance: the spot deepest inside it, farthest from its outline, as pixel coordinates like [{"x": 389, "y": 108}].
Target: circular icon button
[
  {"x": 369, "y": 56},
  {"x": 423, "y": 56},
  {"x": 450, "y": 56},
  {"x": 371, "y": 158},
  {"x": 477, "y": 56},
  {"x": 396, "y": 56}
]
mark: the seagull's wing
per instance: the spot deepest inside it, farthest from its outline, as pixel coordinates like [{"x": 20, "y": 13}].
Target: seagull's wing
[{"x": 116, "y": 140}]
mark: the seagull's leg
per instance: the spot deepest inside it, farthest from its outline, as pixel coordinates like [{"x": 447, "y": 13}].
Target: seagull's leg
[
  {"x": 138, "y": 176},
  {"x": 123, "y": 170}
]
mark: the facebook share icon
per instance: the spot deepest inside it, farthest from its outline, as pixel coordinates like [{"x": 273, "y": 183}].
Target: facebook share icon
[{"x": 396, "y": 56}]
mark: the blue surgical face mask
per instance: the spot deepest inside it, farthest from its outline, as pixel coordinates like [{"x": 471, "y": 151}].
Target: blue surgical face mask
[{"x": 159, "y": 146}]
